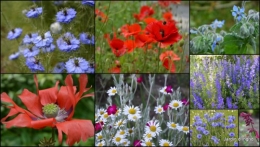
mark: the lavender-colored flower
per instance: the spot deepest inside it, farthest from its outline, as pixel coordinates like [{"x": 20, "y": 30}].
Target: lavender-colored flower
[
  {"x": 231, "y": 134},
  {"x": 68, "y": 42},
  {"x": 66, "y": 15},
  {"x": 220, "y": 99},
  {"x": 199, "y": 136},
  {"x": 14, "y": 56},
  {"x": 33, "y": 64},
  {"x": 48, "y": 48},
  {"x": 229, "y": 102},
  {"x": 29, "y": 38},
  {"x": 235, "y": 143},
  {"x": 43, "y": 40},
  {"x": 34, "y": 12},
  {"x": 59, "y": 68},
  {"x": 77, "y": 65},
  {"x": 217, "y": 24},
  {"x": 217, "y": 40},
  {"x": 206, "y": 132},
  {"x": 31, "y": 51},
  {"x": 14, "y": 33},
  {"x": 90, "y": 3},
  {"x": 86, "y": 38},
  {"x": 198, "y": 102},
  {"x": 238, "y": 13},
  {"x": 91, "y": 69}
]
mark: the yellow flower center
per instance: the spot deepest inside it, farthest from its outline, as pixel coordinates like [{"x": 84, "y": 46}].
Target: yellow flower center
[
  {"x": 118, "y": 139},
  {"x": 153, "y": 128},
  {"x": 132, "y": 111},
  {"x": 106, "y": 115},
  {"x": 130, "y": 131},
  {"x": 100, "y": 137},
  {"x": 160, "y": 110},
  {"x": 149, "y": 136},
  {"x": 175, "y": 104},
  {"x": 100, "y": 144},
  {"x": 101, "y": 112},
  {"x": 173, "y": 125},
  {"x": 134, "y": 117},
  {"x": 166, "y": 144},
  {"x": 113, "y": 91},
  {"x": 148, "y": 143},
  {"x": 122, "y": 133},
  {"x": 120, "y": 123},
  {"x": 185, "y": 129}
]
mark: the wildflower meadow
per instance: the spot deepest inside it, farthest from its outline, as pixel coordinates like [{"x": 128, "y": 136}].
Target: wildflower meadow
[
  {"x": 47, "y": 36},
  {"x": 142, "y": 36},
  {"x": 224, "y": 82},
  {"x": 227, "y": 27},
  {"x": 47, "y": 110},
  {"x": 214, "y": 127},
  {"x": 142, "y": 110}
]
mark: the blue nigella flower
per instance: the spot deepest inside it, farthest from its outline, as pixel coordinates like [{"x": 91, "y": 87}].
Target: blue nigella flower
[
  {"x": 238, "y": 12},
  {"x": 59, "y": 68},
  {"x": 77, "y": 65},
  {"x": 217, "y": 24},
  {"x": 31, "y": 51},
  {"x": 34, "y": 12},
  {"x": 14, "y": 33},
  {"x": 199, "y": 136},
  {"x": 29, "y": 38},
  {"x": 66, "y": 15},
  {"x": 68, "y": 42},
  {"x": 14, "y": 56},
  {"x": 231, "y": 134},
  {"x": 48, "y": 48},
  {"x": 86, "y": 38},
  {"x": 235, "y": 143},
  {"x": 43, "y": 40},
  {"x": 215, "y": 42},
  {"x": 33, "y": 64},
  {"x": 91, "y": 69},
  {"x": 206, "y": 132},
  {"x": 90, "y": 3}
]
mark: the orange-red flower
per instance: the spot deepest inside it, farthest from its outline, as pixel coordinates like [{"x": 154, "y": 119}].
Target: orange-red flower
[
  {"x": 117, "y": 45},
  {"x": 164, "y": 3},
  {"x": 168, "y": 58},
  {"x": 116, "y": 69},
  {"x": 149, "y": 20},
  {"x": 64, "y": 101},
  {"x": 128, "y": 30},
  {"x": 142, "y": 39},
  {"x": 168, "y": 17},
  {"x": 164, "y": 32},
  {"x": 145, "y": 11},
  {"x": 100, "y": 15}
]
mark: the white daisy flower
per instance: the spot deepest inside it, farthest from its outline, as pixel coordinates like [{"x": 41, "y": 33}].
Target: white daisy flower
[
  {"x": 122, "y": 132},
  {"x": 99, "y": 136},
  {"x": 118, "y": 139},
  {"x": 120, "y": 123},
  {"x": 112, "y": 91},
  {"x": 134, "y": 117},
  {"x": 164, "y": 142},
  {"x": 125, "y": 142},
  {"x": 172, "y": 125},
  {"x": 132, "y": 112},
  {"x": 153, "y": 127},
  {"x": 158, "y": 109},
  {"x": 166, "y": 90},
  {"x": 130, "y": 131},
  {"x": 118, "y": 113},
  {"x": 175, "y": 104},
  {"x": 101, "y": 111},
  {"x": 184, "y": 129},
  {"x": 148, "y": 136},
  {"x": 101, "y": 143},
  {"x": 147, "y": 143},
  {"x": 104, "y": 117}
]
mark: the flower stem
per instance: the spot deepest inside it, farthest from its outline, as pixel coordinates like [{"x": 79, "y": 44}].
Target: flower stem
[
  {"x": 159, "y": 57},
  {"x": 53, "y": 133}
]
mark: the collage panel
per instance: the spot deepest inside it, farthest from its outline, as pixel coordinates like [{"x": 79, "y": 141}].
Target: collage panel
[
  {"x": 224, "y": 27},
  {"x": 214, "y": 127},
  {"x": 224, "y": 82},
  {"x": 47, "y": 37},
  {"x": 249, "y": 127},
  {"x": 142, "y": 110},
  {"x": 142, "y": 36},
  {"x": 47, "y": 109}
]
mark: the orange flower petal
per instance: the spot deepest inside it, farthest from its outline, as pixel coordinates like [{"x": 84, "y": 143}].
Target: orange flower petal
[
  {"x": 49, "y": 95},
  {"x": 38, "y": 124}
]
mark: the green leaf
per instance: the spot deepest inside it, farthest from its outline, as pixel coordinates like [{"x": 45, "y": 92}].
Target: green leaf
[
  {"x": 232, "y": 44},
  {"x": 236, "y": 27}
]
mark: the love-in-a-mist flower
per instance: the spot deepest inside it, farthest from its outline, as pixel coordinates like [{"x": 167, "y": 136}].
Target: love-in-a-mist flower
[
  {"x": 68, "y": 42},
  {"x": 43, "y": 40},
  {"x": 238, "y": 12},
  {"x": 175, "y": 104},
  {"x": 48, "y": 49},
  {"x": 158, "y": 109},
  {"x": 111, "y": 110},
  {"x": 66, "y": 15},
  {"x": 53, "y": 107},
  {"x": 172, "y": 125},
  {"x": 199, "y": 136},
  {"x": 101, "y": 143},
  {"x": 86, "y": 38},
  {"x": 118, "y": 139},
  {"x": 164, "y": 142},
  {"x": 14, "y": 55},
  {"x": 34, "y": 64},
  {"x": 34, "y": 12},
  {"x": 29, "y": 38},
  {"x": 59, "y": 68},
  {"x": 184, "y": 129},
  {"x": 14, "y": 33},
  {"x": 31, "y": 51},
  {"x": 231, "y": 134},
  {"x": 112, "y": 91},
  {"x": 77, "y": 65},
  {"x": 132, "y": 112},
  {"x": 153, "y": 127},
  {"x": 90, "y": 3}
]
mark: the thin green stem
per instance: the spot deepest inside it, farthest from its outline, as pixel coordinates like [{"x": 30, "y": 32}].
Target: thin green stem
[
  {"x": 53, "y": 133},
  {"x": 159, "y": 57}
]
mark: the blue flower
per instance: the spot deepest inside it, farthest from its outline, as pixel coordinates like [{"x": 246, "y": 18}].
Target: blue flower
[
  {"x": 14, "y": 56},
  {"x": 87, "y": 38},
  {"x": 59, "y": 68},
  {"x": 231, "y": 134},
  {"x": 91, "y": 69},
  {"x": 66, "y": 15},
  {"x": 33, "y": 64},
  {"x": 14, "y": 33},
  {"x": 215, "y": 42},
  {"x": 29, "y": 38},
  {"x": 199, "y": 136},
  {"x": 31, "y": 51},
  {"x": 206, "y": 132},
  {"x": 43, "y": 40},
  {"x": 68, "y": 42},
  {"x": 217, "y": 24},
  {"x": 229, "y": 102},
  {"x": 90, "y": 3},
  {"x": 238, "y": 12},
  {"x": 235, "y": 143},
  {"x": 34, "y": 12},
  {"x": 77, "y": 65},
  {"x": 48, "y": 48}
]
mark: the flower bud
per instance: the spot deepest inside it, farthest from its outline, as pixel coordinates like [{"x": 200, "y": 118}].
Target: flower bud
[
  {"x": 244, "y": 30},
  {"x": 55, "y": 28},
  {"x": 251, "y": 29}
]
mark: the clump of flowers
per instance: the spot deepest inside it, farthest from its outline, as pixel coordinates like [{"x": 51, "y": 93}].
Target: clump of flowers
[{"x": 123, "y": 123}]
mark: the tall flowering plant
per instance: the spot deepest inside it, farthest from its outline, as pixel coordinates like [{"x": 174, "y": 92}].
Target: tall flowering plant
[
  {"x": 52, "y": 107},
  {"x": 161, "y": 119}
]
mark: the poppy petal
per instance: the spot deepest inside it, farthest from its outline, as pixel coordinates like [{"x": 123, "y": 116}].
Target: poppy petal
[
  {"x": 64, "y": 100},
  {"x": 21, "y": 120},
  {"x": 38, "y": 124},
  {"x": 75, "y": 130},
  {"x": 48, "y": 96}
]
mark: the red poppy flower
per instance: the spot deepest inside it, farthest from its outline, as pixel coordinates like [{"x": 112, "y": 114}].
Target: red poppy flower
[
  {"x": 168, "y": 58},
  {"x": 100, "y": 15},
  {"x": 143, "y": 39},
  {"x": 129, "y": 45},
  {"x": 128, "y": 30},
  {"x": 52, "y": 107},
  {"x": 149, "y": 20},
  {"x": 164, "y": 32},
  {"x": 145, "y": 11},
  {"x": 116, "y": 69},
  {"x": 116, "y": 45},
  {"x": 168, "y": 17},
  {"x": 167, "y": 3}
]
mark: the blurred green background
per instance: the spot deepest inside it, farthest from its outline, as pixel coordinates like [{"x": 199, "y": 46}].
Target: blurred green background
[
  {"x": 13, "y": 85},
  {"x": 12, "y": 11}
]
